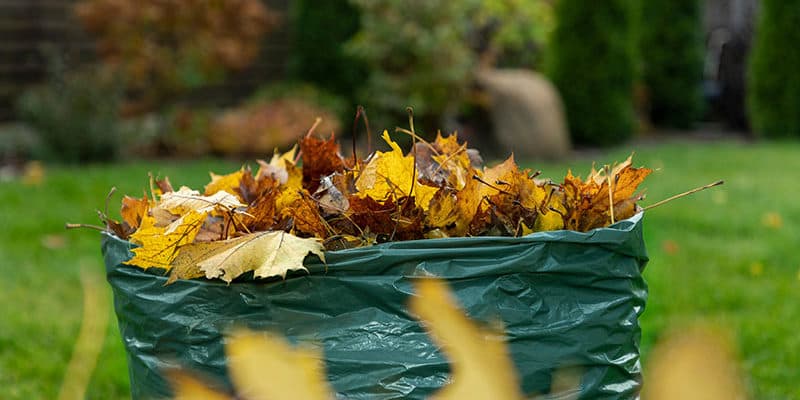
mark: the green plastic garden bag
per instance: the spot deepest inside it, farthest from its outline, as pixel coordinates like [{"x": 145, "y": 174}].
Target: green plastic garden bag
[{"x": 565, "y": 298}]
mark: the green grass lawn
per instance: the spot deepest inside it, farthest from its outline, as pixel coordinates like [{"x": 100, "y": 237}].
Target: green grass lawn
[{"x": 713, "y": 259}]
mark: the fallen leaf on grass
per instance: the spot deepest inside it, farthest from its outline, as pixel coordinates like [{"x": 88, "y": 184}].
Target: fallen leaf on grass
[
  {"x": 89, "y": 343},
  {"x": 670, "y": 247},
  {"x": 772, "y": 220},
  {"x": 54, "y": 242},
  {"x": 691, "y": 364},
  {"x": 33, "y": 173},
  {"x": 756, "y": 269}
]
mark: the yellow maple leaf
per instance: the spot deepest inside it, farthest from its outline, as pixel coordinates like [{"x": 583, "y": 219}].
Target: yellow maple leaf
[
  {"x": 391, "y": 174},
  {"x": 158, "y": 246},
  {"x": 268, "y": 254},
  {"x": 294, "y": 373},
  {"x": 482, "y": 368},
  {"x": 493, "y": 174},
  {"x": 224, "y": 183},
  {"x": 443, "y": 212},
  {"x": 468, "y": 201}
]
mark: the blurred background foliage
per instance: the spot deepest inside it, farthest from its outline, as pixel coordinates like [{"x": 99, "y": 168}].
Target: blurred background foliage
[
  {"x": 161, "y": 48},
  {"x": 592, "y": 64},
  {"x": 622, "y": 69},
  {"x": 75, "y": 112},
  {"x": 774, "y": 84},
  {"x": 671, "y": 48}
]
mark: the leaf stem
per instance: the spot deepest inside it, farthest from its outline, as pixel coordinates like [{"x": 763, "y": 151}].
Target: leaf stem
[
  {"x": 610, "y": 192},
  {"x": 414, "y": 135},
  {"x": 87, "y": 226},
  {"x": 479, "y": 179},
  {"x": 313, "y": 127},
  {"x": 410, "y": 112}
]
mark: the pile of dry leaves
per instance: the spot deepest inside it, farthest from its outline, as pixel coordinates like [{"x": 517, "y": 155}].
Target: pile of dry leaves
[{"x": 312, "y": 199}]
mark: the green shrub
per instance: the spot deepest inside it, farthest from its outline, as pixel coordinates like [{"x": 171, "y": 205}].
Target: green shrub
[
  {"x": 74, "y": 113},
  {"x": 773, "y": 79},
  {"x": 591, "y": 62},
  {"x": 672, "y": 55},
  {"x": 423, "y": 53},
  {"x": 418, "y": 56},
  {"x": 516, "y": 31},
  {"x": 319, "y": 32}
]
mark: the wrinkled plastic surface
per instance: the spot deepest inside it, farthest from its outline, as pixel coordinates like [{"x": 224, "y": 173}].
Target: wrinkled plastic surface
[{"x": 566, "y": 299}]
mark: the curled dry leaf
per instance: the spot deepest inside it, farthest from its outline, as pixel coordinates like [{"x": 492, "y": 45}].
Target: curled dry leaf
[{"x": 320, "y": 158}]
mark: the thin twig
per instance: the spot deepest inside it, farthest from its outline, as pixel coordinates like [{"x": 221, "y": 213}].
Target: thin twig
[
  {"x": 88, "y": 226},
  {"x": 684, "y": 194},
  {"x": 610, "y": 192},
  {"x": 108, "y": 200},
  {"x": 479, "y": 179},
  {"x": 410, "y": 112},
  {"x": 450, "y": 158},
  {"x": 369, "y": 131},
  {"x": 414, "y": 135},
  {"x": 355, "y": 135},
  {"x": 311, "y": 130}
]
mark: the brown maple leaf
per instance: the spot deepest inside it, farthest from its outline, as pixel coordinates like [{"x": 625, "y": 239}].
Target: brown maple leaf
[
  {"x": 303, "y": 217},
  {"x": 320, "y": 158}
]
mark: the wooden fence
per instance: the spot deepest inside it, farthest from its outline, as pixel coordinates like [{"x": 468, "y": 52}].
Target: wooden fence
[{"x": 28, "y": 26}]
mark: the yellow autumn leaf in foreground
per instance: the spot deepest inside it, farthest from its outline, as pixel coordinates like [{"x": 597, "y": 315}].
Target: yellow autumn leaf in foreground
[
  {"x": 266, "y": 367},
  {"x": 187, "y": 387},
  {"x": 482, "y": 368},
  {"x": 268, "y": 254}
]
